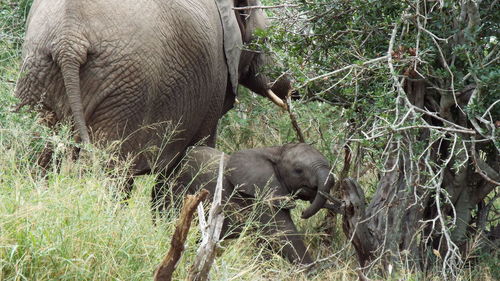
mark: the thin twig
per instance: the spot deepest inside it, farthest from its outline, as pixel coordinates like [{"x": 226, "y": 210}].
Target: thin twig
[
  {"x": 265, "y": 7},
  {"x": 326, "y": 75},
  {"x": 293, "y": 119},
  {"x": 478, "y": 162}
]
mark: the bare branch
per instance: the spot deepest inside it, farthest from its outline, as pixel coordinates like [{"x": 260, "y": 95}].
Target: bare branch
[
  {"x": 210, "y": 232},
  {"x": 490, "y": 108},
  {"x": 434, "y": 115},
  {"x": 483, "y": 168},
  {"x": 166, "y": 269},
  {"x": 391, "y": 130}
]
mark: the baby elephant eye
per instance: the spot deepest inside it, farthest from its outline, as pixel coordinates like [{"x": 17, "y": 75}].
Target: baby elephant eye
[{"x": 298, "y": 170}]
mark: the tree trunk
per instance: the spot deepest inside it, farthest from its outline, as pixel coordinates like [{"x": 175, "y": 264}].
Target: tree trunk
[{"x": 435, "y": 192}]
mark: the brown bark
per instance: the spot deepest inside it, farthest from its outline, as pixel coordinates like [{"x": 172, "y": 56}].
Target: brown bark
[
  {"x": 165, "y": 270},
  {"x": 387, "y": 226},
  {"x": 354, "y": 224}
]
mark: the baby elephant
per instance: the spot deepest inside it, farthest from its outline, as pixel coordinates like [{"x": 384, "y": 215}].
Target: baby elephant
[{"x": 262, "y": 180}]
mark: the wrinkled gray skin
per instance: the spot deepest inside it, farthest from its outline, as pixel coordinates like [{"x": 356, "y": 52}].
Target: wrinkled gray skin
[
  {"x": 130, "y": 70},
  {"x": 292, "y": 170}
]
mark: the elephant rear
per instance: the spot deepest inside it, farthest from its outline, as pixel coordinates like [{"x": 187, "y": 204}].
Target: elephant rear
[
  {"x": 53, "y": 52},
  {"x": 132, "y": 71}
]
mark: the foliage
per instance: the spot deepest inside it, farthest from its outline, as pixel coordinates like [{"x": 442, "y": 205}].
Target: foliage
[
  {"x": 417, "y": 84},
  {"x": 319, "y": 37}
]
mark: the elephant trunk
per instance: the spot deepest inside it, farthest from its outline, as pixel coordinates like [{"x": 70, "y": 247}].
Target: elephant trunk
[{"x": 325, "y": 182}]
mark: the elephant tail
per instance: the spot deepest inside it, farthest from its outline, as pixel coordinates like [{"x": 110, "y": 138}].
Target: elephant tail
[{"x": 70, "y": 54}]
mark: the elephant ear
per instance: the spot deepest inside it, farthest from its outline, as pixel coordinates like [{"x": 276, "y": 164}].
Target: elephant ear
[
  {"x": 252, "y": 173},
  {"x": 232, "y": 40}
]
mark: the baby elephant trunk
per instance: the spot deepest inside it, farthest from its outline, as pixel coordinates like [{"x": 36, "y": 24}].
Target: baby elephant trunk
[{"x": 325, "y": 182}]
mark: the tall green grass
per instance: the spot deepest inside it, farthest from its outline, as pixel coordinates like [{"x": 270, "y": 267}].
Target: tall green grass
[{"x": 68, "y": 225}]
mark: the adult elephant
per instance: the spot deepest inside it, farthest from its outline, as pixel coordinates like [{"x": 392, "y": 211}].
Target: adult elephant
[
  {"x": 268, "y": 175},
  {"x": 154, "y": 75}
]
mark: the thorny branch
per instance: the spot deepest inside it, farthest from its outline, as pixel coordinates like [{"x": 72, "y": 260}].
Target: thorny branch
[
  {"x": 335, "y": 72},
  {"x": 483, "y": 169}
]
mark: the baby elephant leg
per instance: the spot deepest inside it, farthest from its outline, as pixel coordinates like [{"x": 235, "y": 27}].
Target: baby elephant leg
[{"x": 288, "y": 241}]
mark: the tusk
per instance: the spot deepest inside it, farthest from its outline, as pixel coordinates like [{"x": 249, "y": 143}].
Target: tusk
[{"x": 274, "y": 98}]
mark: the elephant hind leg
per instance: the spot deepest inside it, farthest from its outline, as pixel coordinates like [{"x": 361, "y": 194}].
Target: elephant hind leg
[
  {"x": 47, "y": 156},
  {"x": 162, "y": 197},
  {"x": 160, "y": 201},
  {"x": 287, "y": 240},
  {"x": 206, "y": 136}
]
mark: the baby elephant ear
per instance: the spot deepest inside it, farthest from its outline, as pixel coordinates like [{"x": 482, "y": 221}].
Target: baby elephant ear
[{"x": 252, "y": 173}]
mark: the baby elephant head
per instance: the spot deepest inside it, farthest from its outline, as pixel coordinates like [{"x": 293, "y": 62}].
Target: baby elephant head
[{"x": 296, "y": 169}]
